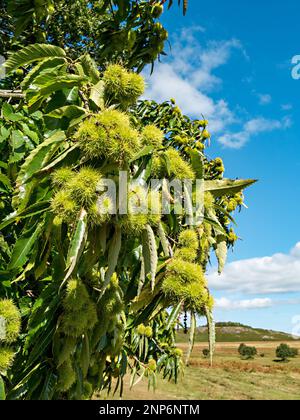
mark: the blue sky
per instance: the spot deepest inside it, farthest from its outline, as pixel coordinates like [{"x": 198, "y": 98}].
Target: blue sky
[{"x": 231, "y": 61}]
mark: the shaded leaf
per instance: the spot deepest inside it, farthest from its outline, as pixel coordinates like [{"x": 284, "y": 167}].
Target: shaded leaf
[
  {"x": 227, "y": 186},
  {"x": 24, "y": 246}
]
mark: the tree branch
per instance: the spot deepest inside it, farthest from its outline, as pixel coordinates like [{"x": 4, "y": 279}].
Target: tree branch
[{"x": 17, "y": 94}]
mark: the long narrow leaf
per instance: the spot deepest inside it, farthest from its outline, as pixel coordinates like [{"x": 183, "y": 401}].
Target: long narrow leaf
[
  {"x": 24, "y": 246},
  {"x": 76, "y": 245}
]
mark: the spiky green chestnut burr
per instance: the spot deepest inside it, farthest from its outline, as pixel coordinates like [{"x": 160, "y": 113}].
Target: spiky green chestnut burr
[
  {"x": 186, "y": 254},
  {"x": 189, "y": 239},
  {"x": 66, "y": 376},
  {"x": 108, "y": 135},
  {"x": 80, "y": 313},
  {"x": 7, "y": 356},
  {"x": 62, "y": 176},
  {"x": 64, "y": 207},
  {"x": 148, "y": 332},
  {"x": 152, "y": 136},
  {"x": 209, "y": 200},
  {"x": 12, "y": 319},
  {"x": 152, "y": 365},
  {"x": 179, "y": 168},
  {"x": 121, "y": 86},
  {"x": 83, "y": 185},
  {"x": 186, "y": 272}
]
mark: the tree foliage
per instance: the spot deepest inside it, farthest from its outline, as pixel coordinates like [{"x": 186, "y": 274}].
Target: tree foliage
[
  {"x": 109, "y": 30},
  {"x": 284, "y": 352},
  {"x": 100, "y": 290},
  {"x": 247, "y": 352}
]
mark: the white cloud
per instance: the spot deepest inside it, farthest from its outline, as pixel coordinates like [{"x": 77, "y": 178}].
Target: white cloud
[
  {"x": 278, "y": 273},
  {"x": 167, "y": 83},
  {"x": 228, "y": 304},
  {"x": 253, "y": 128},
  {"x": 189, "y": 76},
  {"x": 264, "y": 99}
]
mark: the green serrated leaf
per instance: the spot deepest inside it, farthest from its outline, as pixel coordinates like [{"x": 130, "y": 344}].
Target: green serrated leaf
[
  {"x": 76, "y": 245},
  {"x": 147, "y": 150},
  {"x": 97, "y": 94},
  {"x": 90, "y": 68},
  {"x": 9, "y": 113},
  {"x": 227, "y": 186},
  {"x": 40, "y": 156},
  {"x": 24, "y": 246},
  {"x": 43, "y": 67},
  {"x": 32, "y": 53}
]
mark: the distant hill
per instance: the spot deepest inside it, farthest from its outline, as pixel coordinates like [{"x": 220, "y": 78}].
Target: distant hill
[{"x": 235, "y": 332}]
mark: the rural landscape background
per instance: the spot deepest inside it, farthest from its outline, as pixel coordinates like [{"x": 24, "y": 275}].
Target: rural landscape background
[{"x": 230, "y": 378}]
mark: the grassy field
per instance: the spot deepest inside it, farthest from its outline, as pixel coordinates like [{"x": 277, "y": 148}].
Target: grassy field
[{"x": 230, "y": 378}]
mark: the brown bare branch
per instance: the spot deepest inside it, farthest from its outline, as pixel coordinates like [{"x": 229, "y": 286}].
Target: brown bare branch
[{"x": 17, "y": 94}]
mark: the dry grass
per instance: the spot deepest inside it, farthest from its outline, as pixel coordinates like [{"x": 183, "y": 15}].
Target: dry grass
[{"x": 230, "y": 378}]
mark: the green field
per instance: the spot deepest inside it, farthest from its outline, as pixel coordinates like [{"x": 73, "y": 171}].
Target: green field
[{"x": 230, "y": 378}]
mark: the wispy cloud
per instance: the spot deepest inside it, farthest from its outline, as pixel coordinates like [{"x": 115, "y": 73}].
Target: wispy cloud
[
  {"x": 253, "y": 128},
  {"x": 264, "y": 99},
  {"x": 287, "y": 107},
  {"x": 279, "y": 273},
  {"x": 229, "y": 305},
  {"x": 190, "y": 77}
]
